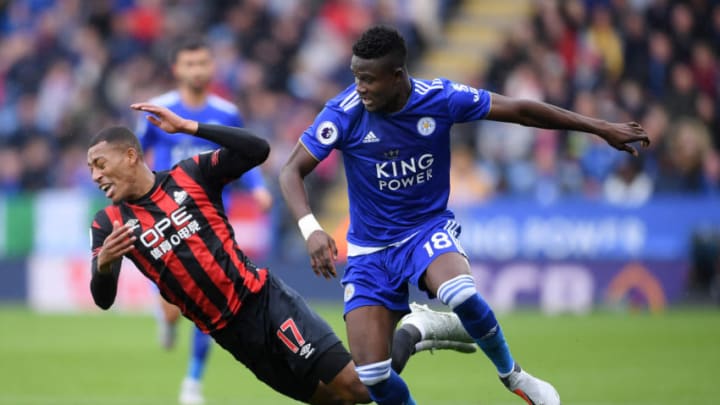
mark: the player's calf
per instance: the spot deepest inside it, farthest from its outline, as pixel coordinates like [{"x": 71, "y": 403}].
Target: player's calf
[{"x": 478, "y": 319}]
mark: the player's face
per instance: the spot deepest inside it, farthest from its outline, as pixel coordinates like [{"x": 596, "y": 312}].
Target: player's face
[
  {"x": 194, "y": 68},
  {"x": 110, "y": 167},
  {"x": 378, "y": 84}
]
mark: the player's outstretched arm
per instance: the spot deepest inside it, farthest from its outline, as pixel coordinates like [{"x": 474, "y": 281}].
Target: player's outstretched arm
[
  {"x": 542, "y": 115},
  {"x": 106, "y": 264},
  {"x": 244, "y": 150},
  {"x": 320, "y": 245}
]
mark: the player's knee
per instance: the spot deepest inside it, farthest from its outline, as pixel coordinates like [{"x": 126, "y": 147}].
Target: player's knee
[
  {"x": 346, "y": 387},
  {"x": 374, "y": 373},
  {"x": 353, "y": 392},
  {"x": 457, "y": 290}
]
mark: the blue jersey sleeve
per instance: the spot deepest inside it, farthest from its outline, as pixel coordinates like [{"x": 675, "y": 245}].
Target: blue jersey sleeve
[
  {"x": 466, "y": 103},
  {"x": 324, "y": 135},
  {"x": 237, "y": 121},
  {"x": 145, "y": 132},
  {"x": 252, "y": 179}
]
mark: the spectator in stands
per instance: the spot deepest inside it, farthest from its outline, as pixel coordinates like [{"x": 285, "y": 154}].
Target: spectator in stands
[{"x": 685, "y": 159}]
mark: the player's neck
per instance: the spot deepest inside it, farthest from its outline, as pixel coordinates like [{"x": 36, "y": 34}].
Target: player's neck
[
  {"x": 144, "y": 182},
  {"x": 193, "y": 98},
  {"x": 401, "y": 99}
]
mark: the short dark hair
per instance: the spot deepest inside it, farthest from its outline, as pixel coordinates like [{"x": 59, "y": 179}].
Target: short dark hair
[
  {"x": 192, "y": 43},
  {"x": 380, "y": 41},
  {"x": 117, "y": 135}
]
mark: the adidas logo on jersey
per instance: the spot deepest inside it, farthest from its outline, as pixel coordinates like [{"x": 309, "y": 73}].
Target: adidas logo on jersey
[
  {"x": 179, "y": 196},
  {"x": 370, "y": 138}
]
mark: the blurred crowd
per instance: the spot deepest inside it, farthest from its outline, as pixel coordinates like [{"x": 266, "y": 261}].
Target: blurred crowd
[
  {"x": 650, "y": 61},
  {"x": 71, "y": 67}
]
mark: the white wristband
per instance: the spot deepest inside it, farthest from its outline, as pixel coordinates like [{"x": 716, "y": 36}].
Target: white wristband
[{"x": 308, "y": 224}]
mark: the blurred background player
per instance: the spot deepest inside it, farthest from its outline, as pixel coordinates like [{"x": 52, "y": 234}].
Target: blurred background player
[{"x": 193, "y": 68}]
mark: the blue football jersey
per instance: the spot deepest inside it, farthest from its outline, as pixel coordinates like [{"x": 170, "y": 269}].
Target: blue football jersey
[
  {"x": 397, "y": 165},
  {"x": 169, "y": 149}
]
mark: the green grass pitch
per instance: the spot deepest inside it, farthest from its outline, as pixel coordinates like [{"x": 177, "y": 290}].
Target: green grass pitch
[{"x": 598, "y": 359}]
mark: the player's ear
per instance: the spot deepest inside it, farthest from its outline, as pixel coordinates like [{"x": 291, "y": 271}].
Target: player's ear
[
  {"x": 132, "y": 155},
  {"x": 398, "y": 74}
]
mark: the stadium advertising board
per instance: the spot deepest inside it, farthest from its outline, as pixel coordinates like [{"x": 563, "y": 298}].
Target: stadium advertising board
[
  {"x": 62, "y": 284},
  {"x": 578, "y": 230},
  {"x": 578, "y": 287}
]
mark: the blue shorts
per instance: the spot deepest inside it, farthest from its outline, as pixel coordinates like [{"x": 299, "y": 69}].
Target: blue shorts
[{"x": 382, "y": 277}]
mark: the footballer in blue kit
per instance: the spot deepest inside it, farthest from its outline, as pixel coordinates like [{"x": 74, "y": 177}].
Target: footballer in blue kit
[
  {"x": 394, "y": 134},
  {"x": 165, "y": 149},
  {"x": 192, "y": 66}
]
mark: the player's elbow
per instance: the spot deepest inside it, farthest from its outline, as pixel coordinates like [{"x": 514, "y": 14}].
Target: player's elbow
[
  {"x": 103, "y": 301},
  {"x": 287, "y": 172},
  {"x": 103, "y": 293},
  {"x": 263, "y": 150},
  {"x": 290, "y": 178},
  {"x": 104, "y": 304}
]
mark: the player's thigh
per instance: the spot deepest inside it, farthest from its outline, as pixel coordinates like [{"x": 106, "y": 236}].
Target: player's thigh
[
  {"x": 445, "y": 267},
  {"x": 370, "y": 331},
  {"x": 284, "y": 342},
  {"x": 435, "y": 255},
  {"x": 372, "y": 280}
]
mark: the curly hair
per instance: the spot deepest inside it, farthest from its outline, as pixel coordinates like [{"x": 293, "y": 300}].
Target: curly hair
[{"x": 380, "y": 41}]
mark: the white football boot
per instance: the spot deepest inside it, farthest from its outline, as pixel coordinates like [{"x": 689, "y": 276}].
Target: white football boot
[
  {"x": 532, "y": 389},
  {"x": 438, "y": 330},
  {"x": 191, "y": 392}
]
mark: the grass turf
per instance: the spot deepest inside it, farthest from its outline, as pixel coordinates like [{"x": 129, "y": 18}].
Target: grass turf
[{"x": 598, "y": 359}]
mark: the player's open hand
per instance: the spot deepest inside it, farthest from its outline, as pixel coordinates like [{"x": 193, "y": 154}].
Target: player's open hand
[
  {"x": 323, "y": 254},
  {"x": 118, "y": 243},
  {"x": 165, "y": 119},
  {"x": 621, "y": 135}
]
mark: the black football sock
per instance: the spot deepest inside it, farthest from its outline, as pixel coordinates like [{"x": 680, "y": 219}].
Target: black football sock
[{"x": 403, "y": 346}]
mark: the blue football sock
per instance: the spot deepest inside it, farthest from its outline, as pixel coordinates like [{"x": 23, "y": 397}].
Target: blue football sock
[
  {"x": 384, "y": 391},
  {"x": 479, "y": 320},
  {"x": 199, "y": 354},
  {"x": 392, "y": 391}
]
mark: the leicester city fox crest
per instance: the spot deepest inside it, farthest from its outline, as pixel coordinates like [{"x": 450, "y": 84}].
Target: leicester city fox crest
[
  {"x": 426, "y": 126},
  {"x": 349, "y": 292}
]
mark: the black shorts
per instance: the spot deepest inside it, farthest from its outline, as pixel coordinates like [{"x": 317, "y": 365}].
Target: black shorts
[{"x": 284, "y": 342}]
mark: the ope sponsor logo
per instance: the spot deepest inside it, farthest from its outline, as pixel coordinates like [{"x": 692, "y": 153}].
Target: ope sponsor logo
[{"x": 154, "y": 238}]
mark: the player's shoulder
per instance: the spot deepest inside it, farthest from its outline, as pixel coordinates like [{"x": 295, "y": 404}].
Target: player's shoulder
[
  {"x": 222, "y": 104},
  {"x": 442, "y": 90},
  {"x": 346, "y": 102},
  {"x": 105, "y": 217},
  {"x": 169, "y": 99},
  {"x": 190, "y": 166},
  {"x": 429, "y": 86}
]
